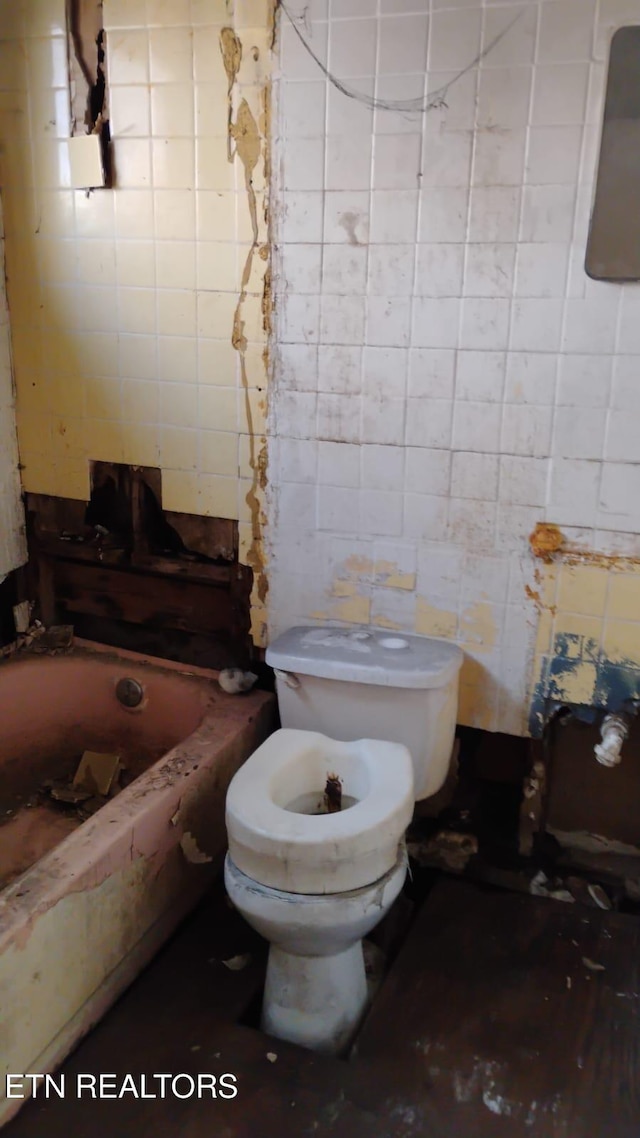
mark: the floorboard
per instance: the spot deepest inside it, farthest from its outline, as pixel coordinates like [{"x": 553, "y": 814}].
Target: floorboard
[{"x": 488, "y": 1024}]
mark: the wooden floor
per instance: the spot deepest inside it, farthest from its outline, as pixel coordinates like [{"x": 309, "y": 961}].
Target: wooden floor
[{"x": 489, "y": 1024}]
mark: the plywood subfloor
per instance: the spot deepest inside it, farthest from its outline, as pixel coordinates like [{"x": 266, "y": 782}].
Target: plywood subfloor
[{"x": 489, "y": 1024}]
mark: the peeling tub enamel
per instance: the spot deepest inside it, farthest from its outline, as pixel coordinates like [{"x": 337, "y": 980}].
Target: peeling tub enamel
[{"x": 101, "y": 896}]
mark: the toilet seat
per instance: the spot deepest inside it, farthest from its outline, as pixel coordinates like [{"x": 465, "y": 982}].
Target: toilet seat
[{"x": 276, "y": 843}]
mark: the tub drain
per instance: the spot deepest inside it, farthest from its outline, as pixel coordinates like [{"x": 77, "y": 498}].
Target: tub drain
[{"x": 129, "y": 692}]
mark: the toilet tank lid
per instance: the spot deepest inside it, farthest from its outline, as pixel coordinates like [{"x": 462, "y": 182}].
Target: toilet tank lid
[{"x": 366, "y": 656}]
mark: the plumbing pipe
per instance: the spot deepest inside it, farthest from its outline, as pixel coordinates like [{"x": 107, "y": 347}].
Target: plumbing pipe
[{"x": 614, "y": 731}]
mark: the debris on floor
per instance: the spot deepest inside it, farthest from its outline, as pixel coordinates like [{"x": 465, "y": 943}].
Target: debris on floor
[
  {"x": 237, "y": 963},
  {"x": 97, "y": 779},
  {"x": 447, "y": 849},
  {"x": 97, "y": 772},
  {"x": 40, "y": 640}
]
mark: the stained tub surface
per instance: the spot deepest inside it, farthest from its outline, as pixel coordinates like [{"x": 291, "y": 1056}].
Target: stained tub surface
[{"x": 84, "y": 904}]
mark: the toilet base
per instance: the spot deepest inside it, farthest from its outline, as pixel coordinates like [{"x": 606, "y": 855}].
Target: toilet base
[
  {"x": 316, "y": 987},
  {"x": 315, "y": 1001}
]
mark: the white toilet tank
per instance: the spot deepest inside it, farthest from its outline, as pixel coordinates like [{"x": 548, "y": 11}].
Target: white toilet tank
[{"x": 368, "y": 684}]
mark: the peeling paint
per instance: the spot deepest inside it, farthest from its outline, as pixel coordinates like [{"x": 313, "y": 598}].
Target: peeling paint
[
  {"x": 192, "y": 851},
  {"x": 431, "y": 621},
  {"x": 248, "y": 140},
  {"x": 478, "y": 628}
]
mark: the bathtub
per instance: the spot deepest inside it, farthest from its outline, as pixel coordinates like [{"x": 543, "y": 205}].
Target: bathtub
[{"x": 85, "y": 904}]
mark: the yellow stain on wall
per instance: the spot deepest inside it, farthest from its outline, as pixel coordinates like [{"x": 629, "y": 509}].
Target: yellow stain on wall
[
  {"x": 431, "y": 621},
  {"x": 140, "y": 326},
  {"x": 589, "y": 610},
  {"x": 387, "y": 574},
  {"x": 477, "y": 627}
]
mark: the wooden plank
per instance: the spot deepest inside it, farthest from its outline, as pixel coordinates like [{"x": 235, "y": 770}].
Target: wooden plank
[
  {"x": 490, "y": 1006},
  {"x": 106, "y": 592}
]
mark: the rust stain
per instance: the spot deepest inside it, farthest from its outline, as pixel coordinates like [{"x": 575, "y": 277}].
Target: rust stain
[{"x": 546, "y": 540}]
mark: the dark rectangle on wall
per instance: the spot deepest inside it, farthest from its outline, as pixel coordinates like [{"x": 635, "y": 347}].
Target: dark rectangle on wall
[{"x": 613, "y": 248}]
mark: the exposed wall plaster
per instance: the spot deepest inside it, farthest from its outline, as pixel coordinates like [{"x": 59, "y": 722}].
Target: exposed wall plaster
[{"x": 248, "y": 140}]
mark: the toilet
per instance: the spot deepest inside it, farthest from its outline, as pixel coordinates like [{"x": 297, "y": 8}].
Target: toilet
[{"x": 375, "y": 714}]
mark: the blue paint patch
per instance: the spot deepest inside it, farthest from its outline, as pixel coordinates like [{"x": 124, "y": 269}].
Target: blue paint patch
[{"x": 616, "y": 685}]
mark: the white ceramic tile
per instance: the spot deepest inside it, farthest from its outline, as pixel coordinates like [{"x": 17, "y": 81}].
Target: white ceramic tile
[
  {"x": 625, "y": 394},
  {"x": 439, "y": 270},
  {"x": 383, "y": 467},
  {"x": 446, "y": 157},
  {"x": 352, "y": 47},
  {"x": 566, "y": 31},
  {"x": 435, "y": 322},
  {"x": 554, "y": 155},
  {"x": 346, "y": 217},
  {"x": 474, "y": 475},
  {"x": 339, "y": 418},
  {"x": 384, "y": 373},
  {"x": 619, "y": 503},
  {"x": 429, "y": 424},
  {"x": 394, "y": 216},
  {"x": 396, "y": 161},
  {"x": 302, "y": 221},
  {"x": 342, "y": 319},
  {"x": 427, "y": 471},
  {"x": 388, "y": 320},
  {"x": 485, "y": 323},
  {"x": 472, "y": 523},
  {"x": 391, "y": 269},
  {"x": 381, "y": 513},
  {"x": 489, "y": 270},
  {"x": 454, "y": 39},
  {"x": 480, "y": 376},
  {"x": 523, "y": 481},
  {"x": 503, "y": 97},
  {"x": 584, "y": 381},
  {"x": 516, "y": 24},
  {"x": 348, "y": 162},
  {"x": 498, "y": 158},
  {"x": 573, "y": 491},
  {"x": 560, "y": 92},
  {"x": 547, "y": 213},
  {"x": 384, "y": 422},
  {"x": 526, "y": 430},
  {"x": 432, "y": 372},
  {"x": 303, "y": 109},
  {"x": 425, "y": 517},
  {"x": 494, "y": 212},
  {"x": 476, "y": 427},
  {"x": 403, "y": 44},
  {"x": 536, "y": 325},
  {"x": 443, "y": 215},
  {"x": 579, "y": 432},
  {"x": 622, "y": 438},
  {"x": 339, "y": 369},
  {"x": 338, "y": 464},
  {"x": 344, "y": 269},
  {"x": 541, "y": 270},
  {"x": 590, "y": 325}
]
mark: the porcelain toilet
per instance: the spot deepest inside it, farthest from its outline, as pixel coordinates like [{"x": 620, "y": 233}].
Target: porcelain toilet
[{"x": 377, "y": 713}]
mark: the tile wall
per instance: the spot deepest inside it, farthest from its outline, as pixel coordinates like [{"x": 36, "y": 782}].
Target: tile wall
[
  {"x": 12, "y": 542},
  {"x": 447, "y": 375},
  {"x": 137, "y": 313}
]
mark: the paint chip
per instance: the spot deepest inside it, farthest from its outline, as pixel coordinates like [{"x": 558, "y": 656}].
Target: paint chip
[{"x": 593, "y": 965}]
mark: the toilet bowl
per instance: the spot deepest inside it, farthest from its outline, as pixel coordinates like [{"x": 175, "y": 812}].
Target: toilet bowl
[
  {"x": 376, "y": 714},
  {"x": 314, "y": 883}
]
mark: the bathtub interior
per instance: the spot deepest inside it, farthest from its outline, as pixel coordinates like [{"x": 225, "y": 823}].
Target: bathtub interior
[{"x": 52, "y": 710}]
